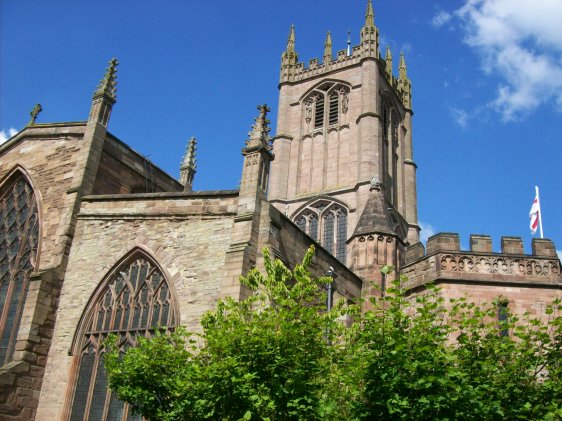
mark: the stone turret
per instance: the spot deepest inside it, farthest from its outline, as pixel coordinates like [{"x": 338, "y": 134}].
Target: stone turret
[
  {"x": 188, "y": 166},
  {"x": 370, "y": 34},
  {"x": 289, "y": 58},
  {"x": 242, "y": 253}
]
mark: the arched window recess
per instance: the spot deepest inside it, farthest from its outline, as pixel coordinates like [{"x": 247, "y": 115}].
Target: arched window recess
[
  {"x": 133, "y": 300},
  {"x": 325, "y": 221},
  {"x": 326, "y": 105},
  {"x": 19, "y": 251}
]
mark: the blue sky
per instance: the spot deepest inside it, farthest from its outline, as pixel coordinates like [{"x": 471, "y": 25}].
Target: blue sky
[{"x": 486, "y": 78}]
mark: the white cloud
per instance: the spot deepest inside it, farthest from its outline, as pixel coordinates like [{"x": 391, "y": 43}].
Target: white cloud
[
  {"x": 426, "y": 231},
  {"x": 519, "y": 41},
  {"x": 460, "y": 116},
  {"x": 559, "y": 252},
  {"x": 6, "y": 134},
  {"x": 440, "y": 19}
]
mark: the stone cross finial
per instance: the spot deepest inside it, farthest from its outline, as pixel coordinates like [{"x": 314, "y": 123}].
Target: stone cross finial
[
  {"x": 108, "y": 85},
  {"x": 260, "y": 130},
  {"x": 34, "y": 113}
]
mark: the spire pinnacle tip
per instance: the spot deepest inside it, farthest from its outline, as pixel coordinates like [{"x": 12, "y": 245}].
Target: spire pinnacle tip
[{"x": 108, "y": 85}]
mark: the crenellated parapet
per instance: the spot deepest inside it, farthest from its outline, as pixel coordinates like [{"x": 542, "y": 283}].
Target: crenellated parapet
[
  {"x": 443, "y": 259},
  {"x": 293, "y": 71}
]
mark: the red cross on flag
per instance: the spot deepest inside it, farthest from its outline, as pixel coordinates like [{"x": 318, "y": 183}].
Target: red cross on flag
[{"x": 535, "y": 213}]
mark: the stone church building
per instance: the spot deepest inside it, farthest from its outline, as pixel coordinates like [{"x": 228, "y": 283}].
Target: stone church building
[{"x": 339, "y": 173}]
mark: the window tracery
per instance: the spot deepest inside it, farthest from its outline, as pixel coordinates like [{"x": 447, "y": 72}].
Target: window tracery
[
  {"x": 326, "y": 222},
  {"x": 19, "y": 238},
  {"x": 134, "y": 301},
  {"x": 326, "y": 104}
]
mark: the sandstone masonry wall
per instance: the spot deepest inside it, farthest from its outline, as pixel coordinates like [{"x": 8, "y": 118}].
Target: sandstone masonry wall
[
  {"x": 48, "y": 154},
  {"x": 190, "y": 246}
]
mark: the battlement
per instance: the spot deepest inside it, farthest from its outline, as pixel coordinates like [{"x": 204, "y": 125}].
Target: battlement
[
  {"x": 315, "y": 67},
  {"x": 447, "y": 242},
  {"x": 442, "y": 260}
]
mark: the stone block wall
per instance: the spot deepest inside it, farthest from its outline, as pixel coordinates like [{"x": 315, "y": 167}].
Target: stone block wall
[{"x": 188, "y": 235}]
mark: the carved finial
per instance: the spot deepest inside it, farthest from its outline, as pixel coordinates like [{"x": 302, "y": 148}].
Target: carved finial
[
  {"x": 388, "y": 60},
  {"x": 402, "y": 67},
  {"x": 404, "y": 84},
  {"x": 189, "y": 160},
  {"x": 34, "y": 113},
  {"x": 328, "y": 48},
  {"x": 375, "y": 183},
  {"x": 291, "y": 40},
  {"x": 259, "y": 136},
  {"x": 188, "y": 166},
  {"x": 289, "y": 58},
  {"x": 348, "y": 42},
  {"x": 370, "y": 34},
  {"x": 370, "y": 15},
  {"x": 108, "y": 85}
]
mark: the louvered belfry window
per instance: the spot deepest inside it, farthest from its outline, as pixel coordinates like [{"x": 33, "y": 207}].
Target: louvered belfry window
[
  {"x": 135, "y": 301},
  {"x": 19, "y": 237}
]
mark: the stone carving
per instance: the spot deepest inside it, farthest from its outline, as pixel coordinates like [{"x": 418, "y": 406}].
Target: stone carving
[
  {"x": 375, "y": 183},
  {"x": 251, "y": 160},
  {"x": 308, "y": 109},
  {"x": 344, "y": 100},
  {"x": 499, "y": 265}
]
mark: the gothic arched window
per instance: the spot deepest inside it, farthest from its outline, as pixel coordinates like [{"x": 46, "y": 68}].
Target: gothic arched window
[
  {"x": 331, "y": 233},
  {"x": 325, "y": 105},
  {"x": 134, "y": 300},
  {"x": 19, "y": 238}
]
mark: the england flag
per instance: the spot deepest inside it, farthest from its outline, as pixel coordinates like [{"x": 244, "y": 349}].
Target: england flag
[{"x": 535, "y": 213}]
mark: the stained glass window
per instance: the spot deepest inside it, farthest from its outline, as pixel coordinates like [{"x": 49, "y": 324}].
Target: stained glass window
[
  {"x": 332, "y": 233},
  {"x": 19, "y": 237},
  {"x": 135, "y": 300},
  {"x": 313, "y": 226},
  {"x": 341, "y": 237},
  {"x": 328, "y": 241}
]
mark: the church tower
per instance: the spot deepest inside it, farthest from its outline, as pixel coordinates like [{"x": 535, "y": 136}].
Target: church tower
[{"x": 343, "y": 169}]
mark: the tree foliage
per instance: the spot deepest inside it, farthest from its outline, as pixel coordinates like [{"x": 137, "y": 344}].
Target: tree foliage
[
  {"x": 279, "y": 355},
  {"x": 265, "y": 357}
]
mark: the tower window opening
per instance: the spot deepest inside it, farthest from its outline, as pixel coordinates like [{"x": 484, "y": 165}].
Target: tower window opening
[
  {"x": 334, "y": 108},
  {"x": 319, "y": 113}
]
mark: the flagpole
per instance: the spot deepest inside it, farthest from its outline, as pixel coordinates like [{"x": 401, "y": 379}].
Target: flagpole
[{"x": 540, "y": 211}]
